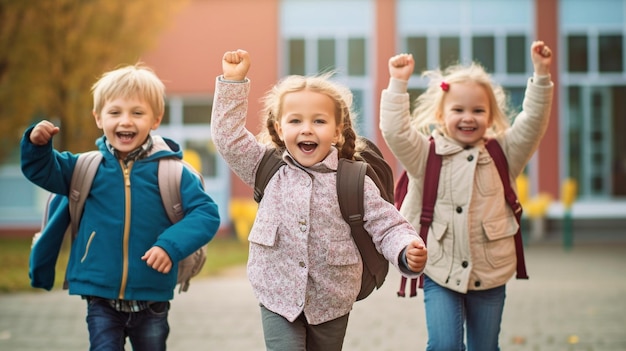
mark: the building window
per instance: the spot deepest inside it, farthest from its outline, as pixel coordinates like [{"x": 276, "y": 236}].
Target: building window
[
  {"x": 326, "y": 55},
  {"x": 296, "y": 56},
  {"x": 197, "y": 113},
  {"x": 418, "y": 48},
  {"x": 516, "y": 54},
  {"x": 356, "y": 57},
  {"x": 449, "y": 51},
  {"x": 483, "y": 51},
  {"x": 577, "y": 53},
  {"x": 611, "y": 53}
]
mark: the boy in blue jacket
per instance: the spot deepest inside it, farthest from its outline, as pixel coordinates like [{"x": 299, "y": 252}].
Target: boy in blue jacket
[{"x": 124, "y": 259}]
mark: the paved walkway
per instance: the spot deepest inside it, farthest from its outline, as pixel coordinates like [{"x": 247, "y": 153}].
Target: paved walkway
[{"x": 574, "y": 300}]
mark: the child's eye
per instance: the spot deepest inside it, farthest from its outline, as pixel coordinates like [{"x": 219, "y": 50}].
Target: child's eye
[
  {"x": 320, "y": 121},
  {"x": 293, "y": 121}
]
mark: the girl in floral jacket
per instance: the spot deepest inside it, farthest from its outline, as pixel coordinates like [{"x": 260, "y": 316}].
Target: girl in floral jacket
[{"x": 303, "y": 264}]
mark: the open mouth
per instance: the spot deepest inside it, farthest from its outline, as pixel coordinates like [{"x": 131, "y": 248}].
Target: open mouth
[
  {"x": 467, "y": 129},
  {"x": 307, "y": 146},
  {"x": 125, "y": 136}
]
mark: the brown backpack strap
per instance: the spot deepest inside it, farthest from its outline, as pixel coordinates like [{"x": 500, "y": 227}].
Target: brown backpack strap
[
  {"x": 496, "y": 153},
  {"x": 350, "y": 193},
  {"x": 270, "y": 163}
]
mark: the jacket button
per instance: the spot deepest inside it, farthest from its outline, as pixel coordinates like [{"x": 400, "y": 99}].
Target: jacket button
[
  {"x": 465, "y": 264},
  {"x": 477, "y": 284},
  {"x": 302, "y": 264},
  {"x": 459, "y": 209},
  {"x": 470, "y": 158}
]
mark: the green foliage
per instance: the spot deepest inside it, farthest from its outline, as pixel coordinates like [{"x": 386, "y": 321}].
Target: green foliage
[
  {"x": 222, "y": 253},
  {"x": 51, "y": 53}
]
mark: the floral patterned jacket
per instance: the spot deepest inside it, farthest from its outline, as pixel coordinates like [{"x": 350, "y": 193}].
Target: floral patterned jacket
[{"x": 302, "y": 257}]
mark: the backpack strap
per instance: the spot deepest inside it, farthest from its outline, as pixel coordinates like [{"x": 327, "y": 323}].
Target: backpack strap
[
  {"x": 496, "y": 153},
  {"x": 429, "y": 197},
  {"x": 270, "y": 163},
  {"x": 350, "y": 192},
  {"x": 84, "y": 172},
  {"x": 169, "y": 177}
]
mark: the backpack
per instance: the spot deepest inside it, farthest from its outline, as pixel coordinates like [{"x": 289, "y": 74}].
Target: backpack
[
  {"x": 350, "y": 182},
  {"x": 429, "y": 197},
  {"x": 169, "y": 177}
]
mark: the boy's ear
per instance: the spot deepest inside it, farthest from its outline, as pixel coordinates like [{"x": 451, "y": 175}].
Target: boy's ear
[
  {"x": 97, "y": 118},
  {"x": 157, "y": 122}
]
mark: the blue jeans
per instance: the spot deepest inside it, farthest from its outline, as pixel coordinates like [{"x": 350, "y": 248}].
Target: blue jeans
[
  {"x": 108, "y": 328},
  {"x": 448, "y": 311}
]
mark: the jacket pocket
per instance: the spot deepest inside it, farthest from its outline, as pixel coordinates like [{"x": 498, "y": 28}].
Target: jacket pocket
[
  {"x": 436, "y": 241},
  {"x": 87, "y": 246},
  {"x": 264, "y": 235},
  {"x": 342, "y": 253},
  {"x": 500, "y": 245}
]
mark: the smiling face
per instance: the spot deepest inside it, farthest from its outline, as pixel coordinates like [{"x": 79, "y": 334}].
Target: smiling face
[
  {"x": 308, "y": 126},
  {"x": 126, "y": 123},
  {"x": 466, "y": 112}
]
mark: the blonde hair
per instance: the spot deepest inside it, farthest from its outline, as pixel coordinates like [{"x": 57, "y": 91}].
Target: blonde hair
[
  {"x": 428, "y": 112},
  {"x": 132, "y": 81},
  {"x": 341, "y": 96}
]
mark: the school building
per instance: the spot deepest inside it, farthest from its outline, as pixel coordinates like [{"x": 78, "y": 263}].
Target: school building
[{"x": 355, "y": 38}]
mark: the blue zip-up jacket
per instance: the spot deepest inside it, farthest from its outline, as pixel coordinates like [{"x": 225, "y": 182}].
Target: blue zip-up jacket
[{"x": 123, "y": 218}]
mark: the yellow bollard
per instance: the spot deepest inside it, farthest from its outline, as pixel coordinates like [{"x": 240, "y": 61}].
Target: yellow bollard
[
  {"x": 523, "y": 189},
  {"x": 193, "y": 158},
  {"x": 242, "y": 214}
]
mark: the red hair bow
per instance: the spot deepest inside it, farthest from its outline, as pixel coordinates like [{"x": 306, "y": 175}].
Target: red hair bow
[{"x": 444, "y": 86}]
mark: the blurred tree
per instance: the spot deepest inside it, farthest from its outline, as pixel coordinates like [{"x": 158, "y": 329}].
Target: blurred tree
[{"x": 51, "y": 53}]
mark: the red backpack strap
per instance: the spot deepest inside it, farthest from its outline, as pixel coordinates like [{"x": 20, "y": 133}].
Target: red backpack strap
[
  {"x": 496, "y": 153},
  {"x": 429, "y": 197}
]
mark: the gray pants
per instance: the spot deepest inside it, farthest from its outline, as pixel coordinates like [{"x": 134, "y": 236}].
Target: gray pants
[{"x": 282, "y": 335}]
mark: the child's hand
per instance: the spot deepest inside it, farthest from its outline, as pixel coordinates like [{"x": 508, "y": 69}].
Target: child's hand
[
  {"x": 541, "y": 56},
  {"x": 158, "y": 259},
  {"x": 43, "y": 132},
  {"x": 416, "y": 254},
  {"x": 401, "y": 66},
  {"x": 235, "y": 64}
]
